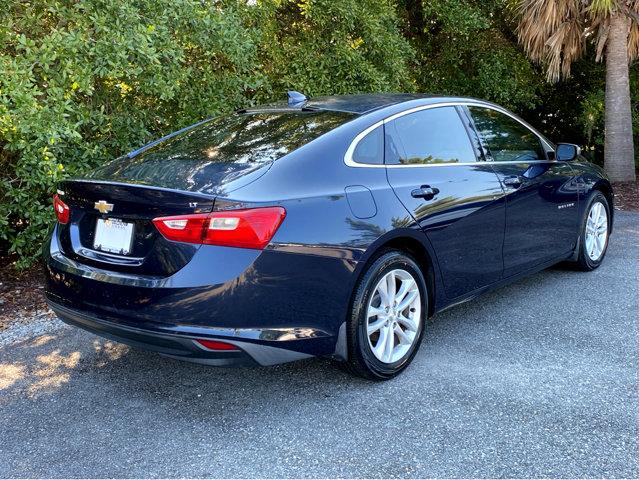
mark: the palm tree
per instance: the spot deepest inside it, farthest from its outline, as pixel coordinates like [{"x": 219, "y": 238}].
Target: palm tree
[{"x": 555, "y": 32}]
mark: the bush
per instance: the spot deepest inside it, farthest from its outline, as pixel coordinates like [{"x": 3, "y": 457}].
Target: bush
[
  {"x": 82, "y": 81},
  {"x": 337, "y": 47},
  {"x": 469, "y": 48}
]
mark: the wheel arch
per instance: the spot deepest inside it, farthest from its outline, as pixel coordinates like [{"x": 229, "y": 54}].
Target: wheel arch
[
  {"x": 409, "y": 241},
  {"x": 414, "y": 244}
]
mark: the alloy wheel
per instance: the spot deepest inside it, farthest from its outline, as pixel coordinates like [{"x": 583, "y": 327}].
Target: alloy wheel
[
  {"x": 596, "y": 231},
  {"x": 393, "y": 316}
]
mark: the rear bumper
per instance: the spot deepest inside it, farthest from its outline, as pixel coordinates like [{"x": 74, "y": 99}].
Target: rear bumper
[
  {"x": 180, "y": 343},
  {"x": 220, "y": 286},
  {"x": 275, "y": 306}
]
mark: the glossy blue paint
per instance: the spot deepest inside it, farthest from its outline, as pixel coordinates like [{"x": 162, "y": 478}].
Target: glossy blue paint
[
  {"x": 361, "y": 201},
  {"x": 542, "y": 213},
  {"x": 464, "y": 222},
  {"x": 290, "y": 300}
]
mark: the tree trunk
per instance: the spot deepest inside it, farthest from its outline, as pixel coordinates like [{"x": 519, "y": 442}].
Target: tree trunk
[{"x": 619, "y": 153}]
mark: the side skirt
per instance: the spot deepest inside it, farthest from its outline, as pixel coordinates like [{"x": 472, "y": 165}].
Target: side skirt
[{"x": 505, "y": 281}]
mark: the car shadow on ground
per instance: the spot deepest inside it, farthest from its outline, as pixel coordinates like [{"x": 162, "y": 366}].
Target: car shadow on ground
[
  {"x": 63, "y": 360},
  {"x": 535, "y": 379},
  {"x": 71, "y": 358}
]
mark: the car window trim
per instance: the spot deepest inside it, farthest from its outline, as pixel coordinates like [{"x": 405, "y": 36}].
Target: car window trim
[
  {"x": 475, "y": 139},
  {"x": 348, "y": 156}
]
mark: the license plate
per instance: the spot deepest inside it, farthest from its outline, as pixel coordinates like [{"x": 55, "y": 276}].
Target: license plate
[{"x": 113, "y": 235}]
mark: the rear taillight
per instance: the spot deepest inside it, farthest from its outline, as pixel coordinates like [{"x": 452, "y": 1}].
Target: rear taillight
[
  {"x": 252, "y": 228},
  {"x": 62, "y": 211}
]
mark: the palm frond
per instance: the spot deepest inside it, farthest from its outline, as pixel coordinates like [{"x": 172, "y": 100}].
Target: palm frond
[
  {"x": 552, "y": 32},
  {"x": 602, "y": 7},
  {"x": 633, "y": 41},
  {"x": 599, "y": 28}
]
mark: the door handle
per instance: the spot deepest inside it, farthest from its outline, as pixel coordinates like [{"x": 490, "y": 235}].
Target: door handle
[
  {"x": 513, "y": 181},
  {"x": 425, "y": 191}
]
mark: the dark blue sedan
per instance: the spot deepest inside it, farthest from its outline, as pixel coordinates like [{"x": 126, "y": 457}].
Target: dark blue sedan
[{"x": 334, "y": 227}]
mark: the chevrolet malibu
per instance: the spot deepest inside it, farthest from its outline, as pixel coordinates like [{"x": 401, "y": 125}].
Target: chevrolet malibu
[{"x": 327, "y": 227}]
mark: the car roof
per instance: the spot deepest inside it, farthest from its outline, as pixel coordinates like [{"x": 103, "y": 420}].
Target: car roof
[
  {"x": 374, "y": 107},
  {"x": 357, "y": 104},
  {"x": 363, "y": 103}
]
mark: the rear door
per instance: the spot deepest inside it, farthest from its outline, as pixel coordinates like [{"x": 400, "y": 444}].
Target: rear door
[
  {"x": 541, "y": 194},
  {"x": 457, "y": 201}
]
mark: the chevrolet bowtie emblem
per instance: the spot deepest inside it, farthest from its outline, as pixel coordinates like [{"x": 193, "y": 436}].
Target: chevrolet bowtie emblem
[{"x": 103, "y": 207}]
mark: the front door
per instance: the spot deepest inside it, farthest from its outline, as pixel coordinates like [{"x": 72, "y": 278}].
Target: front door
[
  {"x": 458, "y": 201},
  {"x": 541, "y": 194}
]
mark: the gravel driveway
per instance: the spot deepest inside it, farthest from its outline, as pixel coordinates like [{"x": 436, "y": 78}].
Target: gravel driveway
[{"x": 540, "y": 378}]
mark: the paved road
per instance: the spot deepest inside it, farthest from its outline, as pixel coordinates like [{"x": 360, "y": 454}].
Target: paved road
[{"x": 540, "y": 378}]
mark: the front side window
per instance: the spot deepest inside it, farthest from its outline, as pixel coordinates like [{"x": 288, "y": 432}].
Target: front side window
[
  {"x": 506, "y": 138},
  {"x": 430, "y": 136}
]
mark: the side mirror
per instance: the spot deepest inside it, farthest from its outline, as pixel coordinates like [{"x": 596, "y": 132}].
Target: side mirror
[{"x": 566, "y": 152}]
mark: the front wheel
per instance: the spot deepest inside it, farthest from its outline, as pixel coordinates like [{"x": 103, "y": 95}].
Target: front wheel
[
  {"x": 387, "y": 318},
  {"x": 593, "y": 242}
]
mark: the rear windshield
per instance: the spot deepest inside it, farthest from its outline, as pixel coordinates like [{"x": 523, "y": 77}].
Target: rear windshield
[{"x": 221, "y": 150}]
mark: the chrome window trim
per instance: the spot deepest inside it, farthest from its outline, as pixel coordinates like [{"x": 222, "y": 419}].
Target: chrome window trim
[{"x": 348, "y": 156}]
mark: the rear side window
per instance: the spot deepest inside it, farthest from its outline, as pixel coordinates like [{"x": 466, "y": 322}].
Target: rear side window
[
  {"x": 507, "y": 139},
  {"x": 370, "y": 149},
  {"x": 431, "y": 136}
]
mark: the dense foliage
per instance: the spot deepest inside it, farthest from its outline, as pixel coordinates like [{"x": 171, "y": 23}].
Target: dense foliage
[
  {"x": 470, "y": 48},
  {"x": 82, "y": 81}
]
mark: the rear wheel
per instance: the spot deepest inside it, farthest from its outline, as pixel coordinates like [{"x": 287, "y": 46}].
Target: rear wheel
[
  {"x": 387, "y": 317},
  {"x": 593, "y": 242}
]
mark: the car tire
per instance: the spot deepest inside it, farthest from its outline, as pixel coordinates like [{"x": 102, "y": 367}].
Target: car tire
[
  {"x": 595, "y": 232},
  {"x": 383, "y": 353}
]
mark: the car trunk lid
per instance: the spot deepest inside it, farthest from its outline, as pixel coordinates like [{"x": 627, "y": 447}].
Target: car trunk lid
[{"x": 111, "y": 226}]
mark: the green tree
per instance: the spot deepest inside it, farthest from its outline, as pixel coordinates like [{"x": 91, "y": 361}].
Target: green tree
[
  {"x": 555, "y": 32},
  {"x": 83, "y": 81},
  {"x": 323, "y": 47},
  {"x": 468, "y": 47}
]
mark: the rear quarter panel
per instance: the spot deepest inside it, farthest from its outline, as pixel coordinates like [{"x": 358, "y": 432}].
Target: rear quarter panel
[{"x": 311, "y": 183}]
